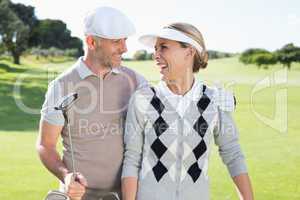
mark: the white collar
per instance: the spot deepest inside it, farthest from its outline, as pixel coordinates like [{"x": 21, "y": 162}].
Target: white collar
[
  {"x": 181, "y": 102},
  {"x": 193, "y": 94}
]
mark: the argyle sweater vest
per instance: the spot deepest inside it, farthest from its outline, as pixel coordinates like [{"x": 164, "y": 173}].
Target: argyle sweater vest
[{"x": 175, "y": 153}]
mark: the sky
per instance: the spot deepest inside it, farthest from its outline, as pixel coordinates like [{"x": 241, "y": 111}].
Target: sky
[{"x": 227, "y": 25}]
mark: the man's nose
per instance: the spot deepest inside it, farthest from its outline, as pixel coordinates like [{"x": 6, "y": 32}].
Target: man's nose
[{"x": 123, "y": 46}]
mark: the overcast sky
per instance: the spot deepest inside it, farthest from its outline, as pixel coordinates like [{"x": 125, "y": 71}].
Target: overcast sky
[{"x": 231, "y": 25}]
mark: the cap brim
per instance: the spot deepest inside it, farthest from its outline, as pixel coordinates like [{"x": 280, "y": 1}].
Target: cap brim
[
  {"x": 148, "y": 40},
  {"x": 170, "y": 34}
]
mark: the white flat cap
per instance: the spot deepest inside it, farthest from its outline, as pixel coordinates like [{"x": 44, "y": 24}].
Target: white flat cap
[{"x": 109, "y": 23}]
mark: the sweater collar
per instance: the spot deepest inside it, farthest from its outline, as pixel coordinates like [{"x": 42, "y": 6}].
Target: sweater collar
[
  {"x": 84, "y": 71},
  {"x": 193, "y": 94}
]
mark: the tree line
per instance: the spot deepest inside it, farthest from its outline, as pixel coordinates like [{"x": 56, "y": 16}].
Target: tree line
[
  {"x": 286, "y": 55},
  {"x": 20, "y": 30},
  {"x": 144, "y": 55}
]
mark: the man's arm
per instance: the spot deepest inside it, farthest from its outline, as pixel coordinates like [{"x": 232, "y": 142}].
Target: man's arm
[
  {"x": 244, "y": 187},
  {"x": 46, "y": 148},
  {"x": 51, "y": 125}
]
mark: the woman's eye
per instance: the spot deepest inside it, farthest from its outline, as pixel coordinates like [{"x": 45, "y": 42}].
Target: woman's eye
[{"x": 160, "y": 48}]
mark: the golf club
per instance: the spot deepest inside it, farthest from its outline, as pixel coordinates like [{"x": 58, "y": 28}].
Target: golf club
[
  {"x": 58, "y": 195},
  {"x": 65, "y": 105}
]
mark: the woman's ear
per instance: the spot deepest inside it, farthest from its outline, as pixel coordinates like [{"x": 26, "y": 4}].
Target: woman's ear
[{"x": 191, "y": 52}]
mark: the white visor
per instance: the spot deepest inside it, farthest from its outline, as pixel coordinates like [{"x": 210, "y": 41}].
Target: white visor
[{"x": 171, "y": 34}]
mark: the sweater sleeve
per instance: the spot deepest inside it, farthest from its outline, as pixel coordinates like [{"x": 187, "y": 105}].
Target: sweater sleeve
[
  {"x": 53, "y": 98},
  {"x": 134, "y": 136},
  {"x": 226, "y": 137}
]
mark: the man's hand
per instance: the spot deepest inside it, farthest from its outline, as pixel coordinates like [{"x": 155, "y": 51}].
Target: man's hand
[{"x": 75, "y": 185}]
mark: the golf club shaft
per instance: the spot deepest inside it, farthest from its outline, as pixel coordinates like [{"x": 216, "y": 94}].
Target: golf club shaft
[{"x": 71, "y": 147}]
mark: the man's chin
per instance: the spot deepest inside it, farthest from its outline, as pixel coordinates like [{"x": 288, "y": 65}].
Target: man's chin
[{"x": 116, "y": 64}]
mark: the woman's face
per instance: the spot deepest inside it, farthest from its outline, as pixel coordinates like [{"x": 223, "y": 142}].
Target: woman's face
[{"x": 173, "y": 60}]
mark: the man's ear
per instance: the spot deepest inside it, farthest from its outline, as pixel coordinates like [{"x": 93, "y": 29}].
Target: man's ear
[{"x": 91, "y": 42}]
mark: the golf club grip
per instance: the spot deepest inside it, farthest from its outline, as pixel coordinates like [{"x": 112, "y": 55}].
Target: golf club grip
[{"x": 76, "y": 179}]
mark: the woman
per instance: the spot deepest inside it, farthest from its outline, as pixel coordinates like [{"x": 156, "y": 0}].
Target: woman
[{"x": 169, "y": 128}]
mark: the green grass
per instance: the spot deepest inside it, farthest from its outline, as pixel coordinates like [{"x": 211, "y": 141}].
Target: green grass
[
  {"x": 21, "y": 175},
  {"x": 273, "y": 158}
]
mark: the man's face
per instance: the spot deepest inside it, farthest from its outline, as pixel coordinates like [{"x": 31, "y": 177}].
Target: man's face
[{"x": 109, "y": 51}]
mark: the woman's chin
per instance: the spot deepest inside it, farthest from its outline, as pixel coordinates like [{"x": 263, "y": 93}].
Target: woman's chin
[{"x": 163, "y": 78}]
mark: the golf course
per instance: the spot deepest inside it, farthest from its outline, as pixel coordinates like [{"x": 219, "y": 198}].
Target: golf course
[{"x": 269, "y": 134}]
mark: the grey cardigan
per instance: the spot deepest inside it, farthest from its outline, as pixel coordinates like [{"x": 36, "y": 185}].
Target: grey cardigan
[{"x": 169, "y": 154}]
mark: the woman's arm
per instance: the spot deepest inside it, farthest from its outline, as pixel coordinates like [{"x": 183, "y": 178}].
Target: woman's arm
[
  {"x": 129, "y": 188},
  {"x": 232, "y": 156},
  {"x": 244, "y": 187},
  {"x": 227, "y": 138},
  {"x": 134, "y": 141}
]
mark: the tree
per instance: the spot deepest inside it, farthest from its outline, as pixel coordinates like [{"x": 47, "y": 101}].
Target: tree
[
  {"x": 288, "y": 54},
  {"x": 20, "y": 29},
  {"x": 264, "y": 59},
  {"x": 25, "y": 13},
  {"x": 149, "y": 56},
  {"x": 50, "y": 33},
  {"x": 2, "y": 48},
  {"x": 54, "y": 33},
  {"x": 14, "y": 33},
  {"x": 75, "y": 43},
  {"x": 140, "y": 55},
  {"x": 217, "y": 54},
  {"x": 247, "y": 56}
]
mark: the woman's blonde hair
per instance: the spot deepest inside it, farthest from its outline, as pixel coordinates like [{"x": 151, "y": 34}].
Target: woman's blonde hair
[{"x": 201, "y": 58}]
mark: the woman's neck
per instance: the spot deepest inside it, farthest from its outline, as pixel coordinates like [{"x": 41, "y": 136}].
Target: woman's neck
[{"x": 181, "y": 85}]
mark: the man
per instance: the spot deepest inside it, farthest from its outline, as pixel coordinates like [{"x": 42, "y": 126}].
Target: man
[{"x": 96, "y": 118}]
